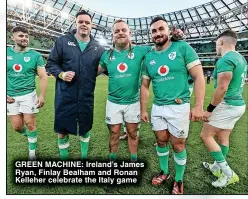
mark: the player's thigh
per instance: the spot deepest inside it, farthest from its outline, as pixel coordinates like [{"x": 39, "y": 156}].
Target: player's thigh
[
  {"x": 114, "y": 130},
  {"x": 132, "y": 113},
  {"x": 30, "y": 121},
  {"x": 114, "y": 113},
  {"x": 225, "y": 116},
  {"x": 208, "y": 130},
  {"x": 223, "y": 136},
  {"x": 132, "y": 128},
  {"x": 162, "y": 137},
  {"x": 177, "y": 117},
  {"x": 27, "y": 103},
  {"x": 157, "y": 118},
  {"x": 17, "y": 121},
  {"x": 13, "y": 108}
]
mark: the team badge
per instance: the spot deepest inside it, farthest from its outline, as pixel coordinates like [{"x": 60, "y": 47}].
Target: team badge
[
  {"x": 26, "y": 59},
  {"x": 163, "y": 70},
  {"x": 17, "y": 67},
  {"x": 130, "y": 56},
  {"x": 172, "y": 55},
  {"x": 178, "y": 101},
  {"x": 122, "y": 67}
]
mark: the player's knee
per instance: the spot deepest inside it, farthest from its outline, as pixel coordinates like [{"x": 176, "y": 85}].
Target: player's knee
[
  {"x": 162, "y": 142},
  {"x": 178, "y": 147},
  {"x": 17, "y": 127},
  {"x": 31, "y": 126}
]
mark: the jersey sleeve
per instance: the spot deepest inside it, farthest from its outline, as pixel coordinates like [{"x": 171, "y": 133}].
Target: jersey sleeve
[
  {"x": 145, "y": 73},
  {"x": 102, "y": 62},
  {"x": 224, "y": 65},
  {"x": 40, "y": 61},
  {"x": 190, "y": 56}
]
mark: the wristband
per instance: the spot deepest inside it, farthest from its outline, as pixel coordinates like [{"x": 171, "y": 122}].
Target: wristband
[{"x": 210, "y": 108}]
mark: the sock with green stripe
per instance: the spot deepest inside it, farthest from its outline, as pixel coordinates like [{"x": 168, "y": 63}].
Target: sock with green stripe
[
  {"x": 224, "y": 150},
  {"x": 221, "y": 161},
  {"x": 163, "y": 156},
  {"x": 23, "y": 131},
  {"x": 180, "y": 164},
  {"x": 63, "y": 144},
  {"x": 112, "y": 156},
  {"x": 84, "y": 144},
  {"x": 32, "y": 142}
]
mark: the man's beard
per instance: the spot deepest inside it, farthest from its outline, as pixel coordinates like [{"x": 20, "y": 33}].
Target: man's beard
[
  {"x": 22, "y": 46},
  {"x": 161, "y": 43}
]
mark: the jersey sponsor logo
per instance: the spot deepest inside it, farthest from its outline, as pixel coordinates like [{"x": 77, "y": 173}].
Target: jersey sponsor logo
[
  {"x": 26, "y": 59},
  {"x": 71, "y": 43},
  {"x": 17, "y": 68},
  {"x": 130, "y": 56},
  {"x": 152, "y": 62},
  {"x": 9, "y": 57},
  {"x": 163, "y": 70},
  {"x": 172, "y": 55},
  {"x": 122, "y": 67}
]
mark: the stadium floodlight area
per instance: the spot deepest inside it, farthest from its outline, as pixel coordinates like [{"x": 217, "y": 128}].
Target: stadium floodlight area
[{"x": 200, "y": 22}]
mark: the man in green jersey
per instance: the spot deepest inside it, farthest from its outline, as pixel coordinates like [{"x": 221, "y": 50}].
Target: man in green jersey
[
  {"x": 123, "y": 63},
  {"x": 168, "y": 66},
  {"x": 226, "y": 107},
  {"x": 22, "y": 103}
]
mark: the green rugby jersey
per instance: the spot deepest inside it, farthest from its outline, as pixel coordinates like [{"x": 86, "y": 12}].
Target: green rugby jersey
[
  {"x": 21, "y": 71},
  {"x": 233, "y": 62},
  {"x": 124, "y": 71},
  {"x": 168, "y": 71}
]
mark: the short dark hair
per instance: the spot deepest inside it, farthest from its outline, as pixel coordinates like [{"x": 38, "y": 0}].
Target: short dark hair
[
  {"x": 228, "y": 33},
  {"x": 83, "y": 12},
  {"x": 158, "y": 18},
  {"x": 19, "y": 29}
]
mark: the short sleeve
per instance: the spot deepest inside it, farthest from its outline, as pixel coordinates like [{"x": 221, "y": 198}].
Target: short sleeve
[
  {"x": 102, "y": 62},
  {"x": 191, "y": 58},
  {"x": 224, "y": 65},
  {"x": 145, "y": 73},
  {"x": 40, "y": 61}
]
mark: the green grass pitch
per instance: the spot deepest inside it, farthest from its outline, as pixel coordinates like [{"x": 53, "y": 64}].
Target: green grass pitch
[{"x": 196, "y": 179}]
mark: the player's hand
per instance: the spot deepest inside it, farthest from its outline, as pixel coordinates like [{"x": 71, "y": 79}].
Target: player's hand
[
  {"x": 144, "y": 116},
  {"x": 68, "y": 76},
  {"x": 10, "y": 100},
  {"x": 206, "y": 116},
  {"x": 40, "y": 101},
  {"x": 177, "y": 34},
  {"x": 196, "y": 114}
]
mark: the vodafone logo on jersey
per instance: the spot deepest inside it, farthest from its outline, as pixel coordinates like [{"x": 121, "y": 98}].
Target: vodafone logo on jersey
[
  {"x": 122, "y": 67},
  {"x": 163, "y": 70},
  {"x": 17, "y": 68}
]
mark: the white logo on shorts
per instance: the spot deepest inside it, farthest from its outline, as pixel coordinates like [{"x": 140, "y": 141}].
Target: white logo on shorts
[
  {"x": 17, "y": 68},
  {"x": 163, "y": 70},
  {"x": 26, "y": 59},
  {"x": 172, "y": 55},
  {"x": 130, "y": 56},
  {"x": 122, "y": 67}
]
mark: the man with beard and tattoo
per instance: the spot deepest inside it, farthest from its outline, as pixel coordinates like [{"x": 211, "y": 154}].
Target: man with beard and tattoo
[
  {"x": 168, "y": 66},
  {"x": 123, "y": 63},
  {"x": 23, "y": 64}
]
